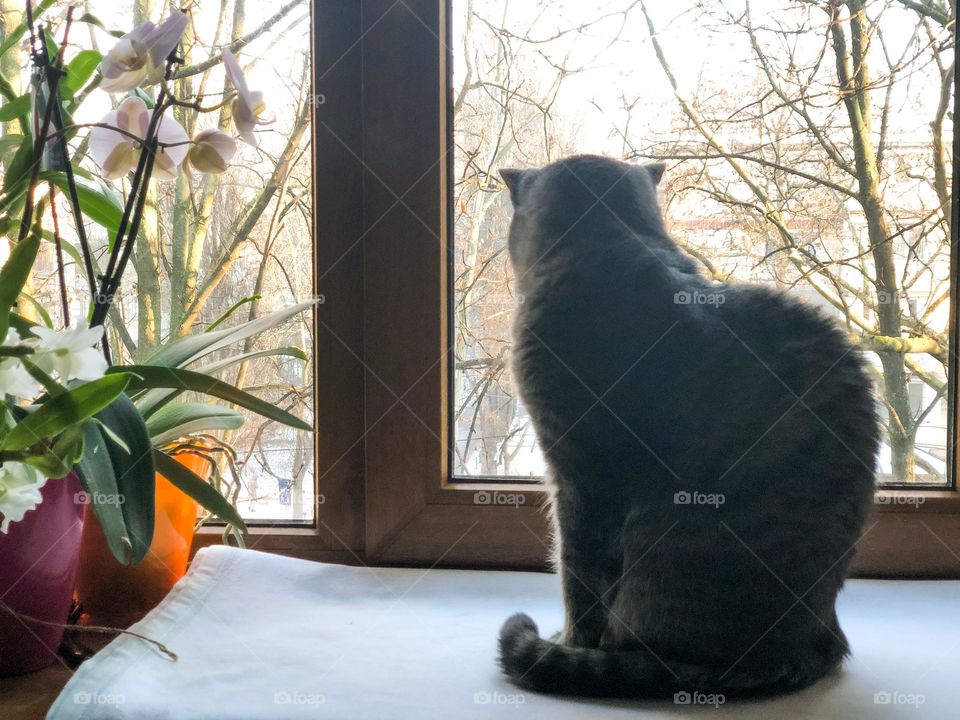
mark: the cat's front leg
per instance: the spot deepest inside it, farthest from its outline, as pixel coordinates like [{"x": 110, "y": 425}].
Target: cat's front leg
[
  {"x": 589, "y": 560},
  {"x": 585, "y": 605}
]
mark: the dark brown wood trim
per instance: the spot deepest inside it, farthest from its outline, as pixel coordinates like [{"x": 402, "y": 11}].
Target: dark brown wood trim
[
  {"x": 898, "y": 545},
  {"x": 338, "y": 201},
  {"x": 403, "y": 265},
  {"x": 493, "y": 526}
]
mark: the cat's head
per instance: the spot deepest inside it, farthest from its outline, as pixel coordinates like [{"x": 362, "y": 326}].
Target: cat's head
[{"x": 557, "y": 207}]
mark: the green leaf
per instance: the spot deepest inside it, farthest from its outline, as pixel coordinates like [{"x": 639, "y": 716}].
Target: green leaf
[
  {"x": 150, "y": 400},
  {"x": 121, "y": 472},
  {"x": 79, "y": 70},
  {"x": 216, "y": 367},
  {"x": 67, "y": 409},
  {"x": 13, "y": 276},
  {"x": 52, "y": 48},
  {"x": 151, "y": 377},
  {"x": 9, "y": 145},
  {"x": 65, "y": 453},
  {"x": 231, "y": 310},
  {"x": 15, "y": 109},
  {"x": 38, "y": 308},
  {"x": 6, "y": 89},
  {"x": 17, "y": 176},
  {"x": 92, "y": 19},
  {"x": 193, "y": 347},
  {"x": 112, "y": 436},
  {"x": 14, "y": 37},
  {"x": 200, "y": 490},
  {"x": 96, "y": 473},
  {"x": 68, "y": 247},
  {"x": 180, "y": 419},
  {"x": 98, "y": 204},
  {"x": 134, "y": 470},
  {"x": 23, "y": 326}
]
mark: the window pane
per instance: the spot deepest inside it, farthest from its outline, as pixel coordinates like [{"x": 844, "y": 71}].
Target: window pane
[
  {"x": 212, "y": 241},
  {"x": 763, "y": 184}
]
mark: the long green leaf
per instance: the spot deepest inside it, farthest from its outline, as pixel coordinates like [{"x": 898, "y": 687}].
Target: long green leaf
[
  {"x": 193, "y": 347},
  {"x": 13, "y": 276},
  {"x": 152, "y": 377},
  {"x": 17, "y": 176},
  {"x": 64, "y": 410},
  {"x": 201, "y": 491},
  {"x": 134, "y": 470},
  {"x": 149, "y": 401},
  {"x": 180, "y": 419},
  {"x": 219, "y": 365},
  {"x": 96, "y": 473}
]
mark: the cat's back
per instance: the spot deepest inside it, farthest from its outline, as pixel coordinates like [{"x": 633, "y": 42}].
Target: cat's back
[{"x": 797, "y": 345}]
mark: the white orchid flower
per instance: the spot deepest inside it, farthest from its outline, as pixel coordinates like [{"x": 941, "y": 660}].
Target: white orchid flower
[
  {"x": 70, "y": 353},
  {"x": 248, "y": 107},
  {"x": 212, "y": 151},
  {"x": 14, "y": 378},
  {"x": 20, "y": 487},
  {"x": 117, "y": 153},
  {"x": 140, "y": 55}
]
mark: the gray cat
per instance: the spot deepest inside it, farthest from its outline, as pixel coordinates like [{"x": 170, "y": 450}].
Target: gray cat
[{"x": 710, "y": 447}]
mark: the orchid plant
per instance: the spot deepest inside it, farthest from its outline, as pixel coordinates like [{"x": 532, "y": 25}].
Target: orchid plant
[
  {"x": 63, "y": 406},
  {"x": 47, "y": 361}
]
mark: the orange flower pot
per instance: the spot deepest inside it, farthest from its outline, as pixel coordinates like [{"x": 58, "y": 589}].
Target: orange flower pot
[{"x": 119, "y": 595}]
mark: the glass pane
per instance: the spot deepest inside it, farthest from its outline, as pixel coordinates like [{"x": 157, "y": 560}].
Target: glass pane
[
  {"x": 763, "y": 183},
  {"x": 210, "y": 241}
]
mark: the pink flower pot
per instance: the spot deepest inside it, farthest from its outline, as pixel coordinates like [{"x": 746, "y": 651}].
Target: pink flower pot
[{"x": 38, "y": 561}]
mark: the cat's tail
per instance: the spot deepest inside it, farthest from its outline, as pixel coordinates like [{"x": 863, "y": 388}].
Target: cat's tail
[{"x": 544, "y": 666}]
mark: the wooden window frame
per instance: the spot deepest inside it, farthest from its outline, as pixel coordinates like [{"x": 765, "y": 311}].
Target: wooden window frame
[{"x": 382, "y": 207}]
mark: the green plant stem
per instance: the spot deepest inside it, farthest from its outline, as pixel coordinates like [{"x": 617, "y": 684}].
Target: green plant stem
[
  {"x": 13, "y": 456},
  {"x": 15, "y": 351},
  {"x": 42, "y": 60}
]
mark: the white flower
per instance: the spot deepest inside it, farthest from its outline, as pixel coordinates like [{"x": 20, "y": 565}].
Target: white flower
[
  {"x": 211, "y": 151},
  {"x": 140, "y": 55},
  {"x": 70, "y": 353},
  {"x": 248, "y": 106},
  {"x": 117, "y": 153},
  {"x": 14, "y": 378},
  {"x": 20, "y": 487}
]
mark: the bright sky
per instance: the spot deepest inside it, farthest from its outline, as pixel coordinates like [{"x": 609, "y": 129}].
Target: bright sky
[{"x": 701, "y": 57}]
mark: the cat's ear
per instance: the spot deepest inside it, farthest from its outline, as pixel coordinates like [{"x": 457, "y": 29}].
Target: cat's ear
[
  {"x": 513, "y": 178},
  {"x": 656, "y": 170}
]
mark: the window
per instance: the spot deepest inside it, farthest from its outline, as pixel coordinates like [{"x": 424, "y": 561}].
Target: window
[
  {"x": 250, "y": 257},
  {"x": 762, "y": 183},
  {"x": 397, "y": 184}
]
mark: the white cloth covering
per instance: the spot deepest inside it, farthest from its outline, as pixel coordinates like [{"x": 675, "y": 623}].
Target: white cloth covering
[{"x": 261, "y": 636}]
